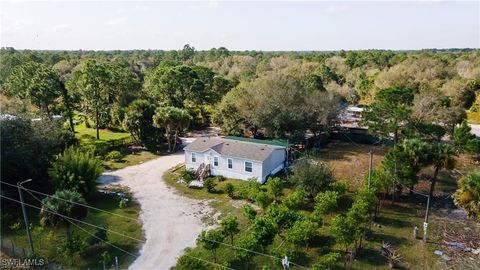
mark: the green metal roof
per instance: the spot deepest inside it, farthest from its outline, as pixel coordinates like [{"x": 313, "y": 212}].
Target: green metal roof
[{"x": 276, "y": 142}]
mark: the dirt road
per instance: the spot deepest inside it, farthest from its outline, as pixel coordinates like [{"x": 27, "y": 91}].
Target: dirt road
[{"x": 171, "y": 222}]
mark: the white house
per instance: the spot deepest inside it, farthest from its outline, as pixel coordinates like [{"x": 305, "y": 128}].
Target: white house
[{"x": 235, "y": 158}]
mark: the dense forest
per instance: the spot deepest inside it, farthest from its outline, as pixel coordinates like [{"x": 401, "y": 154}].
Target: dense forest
[{"x": 150, "y": 93}]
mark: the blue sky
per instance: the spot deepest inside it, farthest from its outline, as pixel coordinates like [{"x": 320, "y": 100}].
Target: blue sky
[{"x": 240, "y": 25}]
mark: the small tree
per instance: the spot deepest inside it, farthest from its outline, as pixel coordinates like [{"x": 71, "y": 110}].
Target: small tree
[
  {"x": 247, "y": 242},
  {"x": 230, "y": 189},
  {"x": 295, "y": 200},
  {"x": 441, "y": 157},
  {"x": 211, "y": 240},
  {"x": 462, "y": 135},
  {"x": 467, "y": 195},
  {"x": 274, "y": 187},
  {"x": 66, "y": 203},
  {"x": 264, "y": 231},
  {"x": 301, "y": 232},
  {"x": 249, "y": 212},
  {"x": 313, "y": 178},
  {"x": 209, "y": 184},
  {"x": 262, "y": 199},
  {"x": 229, "y": 226},
  {"x": 327, "y": 261},
  {"x": 281, "y": 215},
  {"x": 76, "y": 170},
  {"x": 345, "y": 232},
  {"x": 325, "y": 202},
  {"x": 186, "y": 262}
]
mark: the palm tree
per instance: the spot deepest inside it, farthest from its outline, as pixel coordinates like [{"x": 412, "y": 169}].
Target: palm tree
[
  {"x": 173, "y": 120},
  {"x": 441, "y": 156},
  {"x": 467, "y": 195},
  {"x": 415, "y": 149},
  {"x": 66, "y": 203}
]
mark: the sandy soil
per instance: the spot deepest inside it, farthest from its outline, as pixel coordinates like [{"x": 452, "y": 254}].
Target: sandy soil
[{"x": 171, "y": 222}]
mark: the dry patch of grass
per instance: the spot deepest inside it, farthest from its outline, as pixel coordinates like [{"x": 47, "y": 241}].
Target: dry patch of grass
[{"x": 351, "y": 161}]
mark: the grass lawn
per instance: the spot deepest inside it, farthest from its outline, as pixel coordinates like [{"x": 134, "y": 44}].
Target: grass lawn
[
  {"x": 129, "y": 159},
  {"x": 85, "y": 134},
  {"x": 394, "y": 224},
  {"x": 46, "y": 239}
]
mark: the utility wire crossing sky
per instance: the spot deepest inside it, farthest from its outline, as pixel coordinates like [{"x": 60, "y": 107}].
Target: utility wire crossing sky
[{"x": 281, "y": 26}]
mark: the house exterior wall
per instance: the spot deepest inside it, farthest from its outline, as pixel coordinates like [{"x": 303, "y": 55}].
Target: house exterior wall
[
  {"x": 237, "y": 171},
  {"x": 260, "y": 170},
  {"x": 274, "y": 163}
]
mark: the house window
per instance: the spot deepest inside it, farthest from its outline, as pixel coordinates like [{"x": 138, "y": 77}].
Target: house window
[
  {"x": 215, "y": 161},
  {"x": 230, "y": 163},
  {"x": 248, "y": 166},
  {"x": 194, "y": 157}
]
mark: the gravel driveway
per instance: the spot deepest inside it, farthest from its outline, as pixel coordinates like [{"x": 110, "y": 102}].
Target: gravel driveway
[{"x": 171, "y": 222}]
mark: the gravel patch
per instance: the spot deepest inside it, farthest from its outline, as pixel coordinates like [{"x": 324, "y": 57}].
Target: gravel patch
[{"x": 170, "y": 221}]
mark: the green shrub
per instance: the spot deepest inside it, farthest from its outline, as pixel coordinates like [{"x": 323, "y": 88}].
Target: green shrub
[
  {"x": 209, "y": 184},
  {"x": 295, "y": 200},
  {"x": 328, "y": 261},
  {"x": 249, "y": 189},
  {"x": 68, "y": 247},
  {"x": 188, "y": 176},
  {"x": 230, "y": 190},
  {"x": 76, "y": 170},
  {"x": 186, "y": 262},
  {"x": 275, "y": 187},
  {"x": 114, "y": 155},
  {"x": 262, "y": 199},
  {"x": 340, "y": 187}
]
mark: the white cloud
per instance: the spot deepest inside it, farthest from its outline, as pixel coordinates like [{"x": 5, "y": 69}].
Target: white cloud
[
  {"x": 60, "y": 27},
  {"x": 117, "y": 21}
]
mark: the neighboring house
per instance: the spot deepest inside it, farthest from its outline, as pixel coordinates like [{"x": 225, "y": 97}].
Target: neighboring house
[{"x": 237, "y": 159}]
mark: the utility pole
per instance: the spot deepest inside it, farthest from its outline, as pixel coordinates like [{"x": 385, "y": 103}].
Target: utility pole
[
  {"x": 425, "y": 224},
  {"x": 370, "y": 169},
  {"x": 25, "y": 218}
]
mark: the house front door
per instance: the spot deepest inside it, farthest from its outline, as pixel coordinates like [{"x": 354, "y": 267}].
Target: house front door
[{"x": 208, "y": 159}]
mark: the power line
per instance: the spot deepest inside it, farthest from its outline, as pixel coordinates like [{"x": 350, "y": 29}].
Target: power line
[
  {"x": 91, "y": 234},
  {"x": 119, "y": 215},
  {"x": 86, "y": 231},
  {"x": 209, "y": 262},
  {"x": 69, "y": 218},
  {"x": 84, "y": 205}
]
